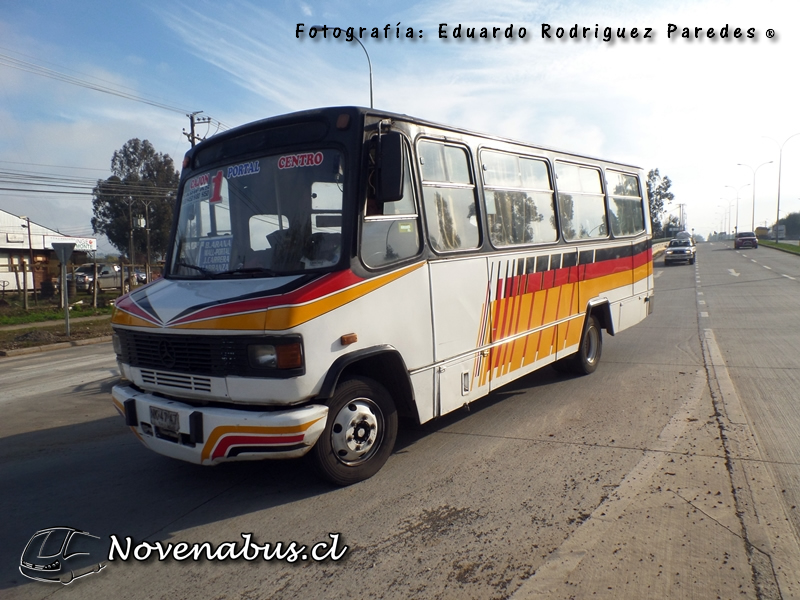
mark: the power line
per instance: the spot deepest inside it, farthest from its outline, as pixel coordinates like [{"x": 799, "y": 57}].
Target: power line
[
  {"x": 116, "y": 90},
  {"x": 12, "y": 162},
  {"x": 15, "y": 63}
]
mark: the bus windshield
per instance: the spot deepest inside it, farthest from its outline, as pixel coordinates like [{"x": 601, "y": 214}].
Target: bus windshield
[{"x": 273, "y": 215}]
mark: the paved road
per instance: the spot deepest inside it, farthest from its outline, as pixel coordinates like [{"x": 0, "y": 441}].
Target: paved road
[{"x": 653, "y": 477}]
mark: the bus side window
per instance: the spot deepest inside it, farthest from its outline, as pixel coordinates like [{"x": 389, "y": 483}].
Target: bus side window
[
  {"x": 581, "y": 203},
  {"x": 451, "y": 210},
  {"x": 519, "y": 199},
  {"x": 390, "y": 230},
  {"x": 624, "y": 203}
]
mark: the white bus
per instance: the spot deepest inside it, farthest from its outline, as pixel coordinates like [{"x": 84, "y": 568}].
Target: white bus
[{"x": 333, "y": 269}]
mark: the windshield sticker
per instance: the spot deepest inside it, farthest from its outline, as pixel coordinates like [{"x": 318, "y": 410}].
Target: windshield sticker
[
  {"x": 215, "y": 253},
  {"x": 307, "y": 159},
  {"x": 248, "y": 168},
  {"x": 197, "y": 190},
  {"x": 199, "y": 181}
]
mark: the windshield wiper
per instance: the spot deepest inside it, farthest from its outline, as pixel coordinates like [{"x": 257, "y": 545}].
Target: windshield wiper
[
  {"x": 247, "y": 271},
  {"x": 205, "y": 272}
]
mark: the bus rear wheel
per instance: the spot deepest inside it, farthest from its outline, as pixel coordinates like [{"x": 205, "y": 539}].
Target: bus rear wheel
[
  {"x": 359, "y": 434},
  {"x": 587, "y": 358}
]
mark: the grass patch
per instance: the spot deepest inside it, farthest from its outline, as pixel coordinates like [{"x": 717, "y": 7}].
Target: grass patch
[
  {"x": 793, "y": 248},
  {"x": 12, "y": 311}
]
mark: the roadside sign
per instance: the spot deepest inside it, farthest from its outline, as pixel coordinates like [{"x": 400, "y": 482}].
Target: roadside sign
[{"x": 63, "y": 251}]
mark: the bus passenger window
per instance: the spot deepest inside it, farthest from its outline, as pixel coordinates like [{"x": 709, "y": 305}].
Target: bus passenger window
[
  {"x": 624, "y": 203},
  {"x": 581, "y": 203},
  {"x": 451, "y": 211},
  {"x": 519, "y": 199}
]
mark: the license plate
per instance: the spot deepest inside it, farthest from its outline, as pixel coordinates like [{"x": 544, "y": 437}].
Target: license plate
[{"x": 164, "y": 419}]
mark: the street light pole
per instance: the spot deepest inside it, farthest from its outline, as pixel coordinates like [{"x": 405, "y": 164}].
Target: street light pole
[
  {"x": 736, "y": 229},
  {"x": 369, "y": 62},
  {"x": 753, "y": 215},
  {"x": 780, "y": 162}
]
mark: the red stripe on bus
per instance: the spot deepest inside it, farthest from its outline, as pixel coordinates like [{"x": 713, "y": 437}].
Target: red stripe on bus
[{"x": 252, "y": 440}]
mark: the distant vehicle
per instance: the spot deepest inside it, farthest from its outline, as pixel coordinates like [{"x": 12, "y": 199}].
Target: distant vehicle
[
  {"x": 762, "y": 232},
  {"x": 62, "y": 554},
  {"x": 685, "y": 235},
  {"x": 680, "y": 250},
  {"x": 83, "y": 277},
  {"x": 745, "y": 239},
  {"x": 111, "y": 277}
]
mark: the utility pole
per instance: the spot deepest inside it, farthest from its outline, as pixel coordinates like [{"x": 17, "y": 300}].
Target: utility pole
[
  {"x": 30, "y": 250},
  {"x": 193, "y": 121}
]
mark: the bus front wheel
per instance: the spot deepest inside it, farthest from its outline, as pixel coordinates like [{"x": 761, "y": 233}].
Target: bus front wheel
[{"x": 359, "y": 434}]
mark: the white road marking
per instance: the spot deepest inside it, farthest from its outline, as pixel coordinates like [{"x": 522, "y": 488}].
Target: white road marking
[
  {"x": 769, "y": 530},
  {"x": 766, "y": 267},
  {"x": 733, "y": 272},
  {"x": 569, "y": 555},
  {"x": 788, "y": 276}
]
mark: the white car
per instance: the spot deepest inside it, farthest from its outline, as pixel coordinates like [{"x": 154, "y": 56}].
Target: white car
[{"x": 680, "y": 250}]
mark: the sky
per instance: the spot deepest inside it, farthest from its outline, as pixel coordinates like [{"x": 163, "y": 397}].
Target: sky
[{"x": 695, "y": 107}]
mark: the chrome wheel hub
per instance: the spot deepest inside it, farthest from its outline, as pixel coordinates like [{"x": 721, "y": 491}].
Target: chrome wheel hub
[{"x": 356, "y": 430}]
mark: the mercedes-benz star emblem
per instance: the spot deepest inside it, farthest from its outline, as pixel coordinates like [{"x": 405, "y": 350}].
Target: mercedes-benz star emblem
[{"x": 166, "y": 353}]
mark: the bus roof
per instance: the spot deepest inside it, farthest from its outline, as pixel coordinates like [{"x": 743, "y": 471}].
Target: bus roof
[{"x": 328, "y": 112}]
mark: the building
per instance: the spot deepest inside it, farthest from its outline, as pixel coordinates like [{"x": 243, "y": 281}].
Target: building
[{"x": 23, "y": 241}]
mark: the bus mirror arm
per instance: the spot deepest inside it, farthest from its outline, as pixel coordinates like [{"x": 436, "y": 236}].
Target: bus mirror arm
[{"x": 390, "y": 167}]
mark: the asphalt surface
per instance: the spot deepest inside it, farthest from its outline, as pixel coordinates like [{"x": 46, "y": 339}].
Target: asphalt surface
[{"x": 671, "y": 472}]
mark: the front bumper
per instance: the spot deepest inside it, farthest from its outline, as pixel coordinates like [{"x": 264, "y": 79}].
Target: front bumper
[
  {"x": 211, "y": 435},
  {"x": 678, "y": 257}
]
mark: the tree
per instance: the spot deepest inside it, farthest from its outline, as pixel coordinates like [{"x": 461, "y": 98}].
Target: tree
[
  {"x": 143, "y": 183},
  {"x": 658, "y": 194},
  {"x": 791, "y": 222}
]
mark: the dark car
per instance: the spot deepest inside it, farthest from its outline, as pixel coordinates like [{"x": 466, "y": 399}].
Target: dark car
[
  {"x": 62, "y": 554},
  {"x": 745, "y": 239},
  {"x": 680, "y": 250}
]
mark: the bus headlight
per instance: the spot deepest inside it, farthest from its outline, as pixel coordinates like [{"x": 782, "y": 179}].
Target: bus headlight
[{"x": 276, "y": 356}]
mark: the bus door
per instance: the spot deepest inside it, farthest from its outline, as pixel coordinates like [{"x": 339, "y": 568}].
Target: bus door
[
  {"x": 460, "y": 301},
  {"x": 459, "y": 281}
]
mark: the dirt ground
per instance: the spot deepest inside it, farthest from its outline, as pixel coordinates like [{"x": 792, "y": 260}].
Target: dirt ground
[{"x": 53, "y": 333}]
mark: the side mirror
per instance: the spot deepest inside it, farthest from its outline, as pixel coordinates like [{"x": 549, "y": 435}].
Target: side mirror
[{"x": 390, "y": 167}]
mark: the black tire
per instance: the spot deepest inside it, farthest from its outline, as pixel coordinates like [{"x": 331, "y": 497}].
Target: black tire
[
  {"x": 691, "y": 261},
  {"x": 359, "y": 434},
  {"x": 590, "y": 350}
]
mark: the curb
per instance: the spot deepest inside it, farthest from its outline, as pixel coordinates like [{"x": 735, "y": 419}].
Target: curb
[{"x": 58, "y": 346}]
